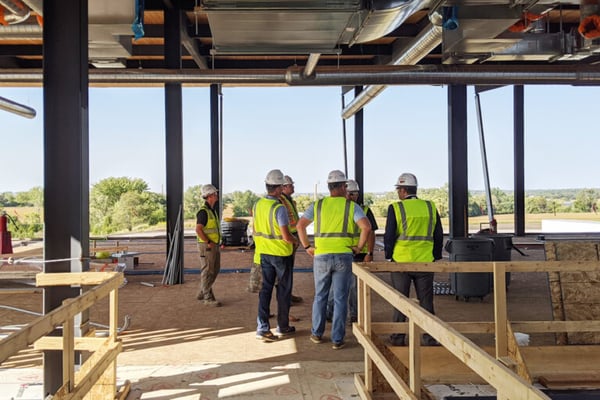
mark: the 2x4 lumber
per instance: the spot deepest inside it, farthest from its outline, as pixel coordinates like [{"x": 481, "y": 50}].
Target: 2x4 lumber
[
  {"x": 500, "y": 310},
  {"x": 124, "y": 390},
  {"x": 43, "y": 325},
  {"x": 395, "y": 381},
  {"x": 514, "y": 352},
  {"x": 414, "y": 358},
  {"x": 79, "y": 343},
  {"x": 489, "y": 327},
  {"x": 90, "y": 372},
  {"x": 485, "y": 266},
  {"x": 504, "y": 380},
  {"x": 74, "y": 278},
  {"x": 68, "y": 352}
]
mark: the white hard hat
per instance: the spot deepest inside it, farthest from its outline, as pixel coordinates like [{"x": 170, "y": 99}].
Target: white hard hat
[
  {"x": 407, "y": 179},
  {"x": 275, "y": 177},
  {"x": 207, "y": 190},
  {"x": 336, "y": 176},
  {"x": 352, "y": 186},
  {"x": 288, "y": 180}
]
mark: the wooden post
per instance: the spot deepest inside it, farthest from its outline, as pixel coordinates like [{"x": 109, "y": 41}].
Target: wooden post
[
  {"x": 500, "y": 310},
  {"x": 414, "y": 358}
]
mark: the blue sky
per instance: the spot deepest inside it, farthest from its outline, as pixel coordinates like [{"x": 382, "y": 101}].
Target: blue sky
[{"x": 299, "y": 130}]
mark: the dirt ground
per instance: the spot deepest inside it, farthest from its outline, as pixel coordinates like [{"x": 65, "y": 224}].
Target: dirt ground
[{"x": 162, "y": 315}]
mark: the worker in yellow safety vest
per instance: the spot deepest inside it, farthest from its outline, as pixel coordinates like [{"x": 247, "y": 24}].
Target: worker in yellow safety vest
[
  {"x": 413, "y": 233},
  {"x": 275, "y": 245},
  {"x": 208, "y": 232},
  {"x": 336, "y": 221},
  {"x": 365, "y": 254}
]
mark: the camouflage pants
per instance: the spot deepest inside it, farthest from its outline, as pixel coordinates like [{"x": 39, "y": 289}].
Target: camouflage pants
[{"x": 255, "y": 283}]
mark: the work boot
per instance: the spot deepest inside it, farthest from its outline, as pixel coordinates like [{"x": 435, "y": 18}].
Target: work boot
[{"x": 211, "y": 303}]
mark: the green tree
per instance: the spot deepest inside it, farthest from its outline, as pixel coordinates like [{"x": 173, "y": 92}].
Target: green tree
[
  {"x": 303, "y": 201},
  {"x": 192, "y": 201},
  {"x": 585, "y": 200},
  {"x": 439, "y": 196},
  {"x": 135, "y": 209},
  {"x": 105, "y": 195},
  {"x": 33, "y": 197},
  {"x": 243, "y": 202},
  {"x": 503, "y": 202},
  {"x": 538, "y": 205},
  {"x": 381, "y": 203}
]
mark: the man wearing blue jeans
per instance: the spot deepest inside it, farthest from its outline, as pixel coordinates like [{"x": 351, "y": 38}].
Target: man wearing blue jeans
[
  {"x": 336, "y": 221},
  {"x": 275, "y": 244},
  {"x": 365, "y": 255}
]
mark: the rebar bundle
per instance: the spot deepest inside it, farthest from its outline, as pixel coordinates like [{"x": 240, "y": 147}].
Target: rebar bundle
[{"x": 173, "y": 273}]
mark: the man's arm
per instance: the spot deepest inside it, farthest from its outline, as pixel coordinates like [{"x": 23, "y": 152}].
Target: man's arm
[
  {"x": 438, "y": 238},
  {"x": 201, "y": 221},
  {"x": 389, "y": 237},
  {"x": 365, "y": 232}
]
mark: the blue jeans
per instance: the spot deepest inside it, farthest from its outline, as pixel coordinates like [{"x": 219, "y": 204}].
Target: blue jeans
[
  {"x": 331, "y": 272},
  {"x": 352, "y": 296},
  {"x": 281, "y": 268}
]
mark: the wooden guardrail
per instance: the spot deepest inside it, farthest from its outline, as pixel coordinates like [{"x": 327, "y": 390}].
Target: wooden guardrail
[
  {"x": 97, "y": 375},
  {"x": 506, "y": 372}
]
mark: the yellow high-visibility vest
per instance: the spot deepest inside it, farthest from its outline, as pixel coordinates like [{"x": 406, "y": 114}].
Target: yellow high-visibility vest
[
  {"x": 334, "y": 225},
  {"x": 212, "y": 229},
  {"x": 415, "y": 221},
  {"x": 267, "y": 233}
]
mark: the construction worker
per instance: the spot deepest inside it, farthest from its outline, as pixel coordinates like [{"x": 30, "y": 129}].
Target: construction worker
[
  {"x": 286, "y": 199},
  {"x": 336, "y": 221},
  {"x": 365, "y": 255},
  {"x": 413, "y": 233},
  {"x": 275, "y": 244},
  {"x": 208, "y": 232},
  {"x": 290, "y": 205}
]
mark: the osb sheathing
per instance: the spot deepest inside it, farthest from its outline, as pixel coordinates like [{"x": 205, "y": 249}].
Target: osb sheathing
[{"x": 575, "y": 295}]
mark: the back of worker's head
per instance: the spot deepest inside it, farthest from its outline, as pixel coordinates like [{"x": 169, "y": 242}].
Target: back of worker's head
[
  {"x": 336, "y": 179},
  {"x": 408, "y": 182},
  {"x": 274, "y": 179}
]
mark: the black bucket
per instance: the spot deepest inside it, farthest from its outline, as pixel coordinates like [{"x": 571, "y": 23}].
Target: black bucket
[
  {"x": 234, "y": 233},
  {"x": 503, "y": 247},
  {"x": 470, "y": 284},
  {"x": 470, "y": 249}
]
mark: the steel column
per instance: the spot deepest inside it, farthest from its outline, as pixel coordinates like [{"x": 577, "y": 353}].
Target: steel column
[
  {"x": 359, "y": 146},
  {"x": 519, "y": 162},
  {"x": 66, "y": 157},
  {"x": 174, "y": 138},
  {"x": 215, "y": 137},
  {"x": 457, "y": 161}
]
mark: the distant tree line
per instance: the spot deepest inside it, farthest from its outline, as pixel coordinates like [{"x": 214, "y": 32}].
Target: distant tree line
[{"x": 127, "y": 204}]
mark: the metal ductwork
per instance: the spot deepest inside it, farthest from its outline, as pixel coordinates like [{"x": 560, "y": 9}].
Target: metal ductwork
[
  {"x": 19, "y": 12},
  {"x": 382, "y": 17},
  {"x": 427, "y": 40},
  {"x": 302, "y": 26},
  {"x": 16, "y": 108},
  {"x": 35, "y": 5}
]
